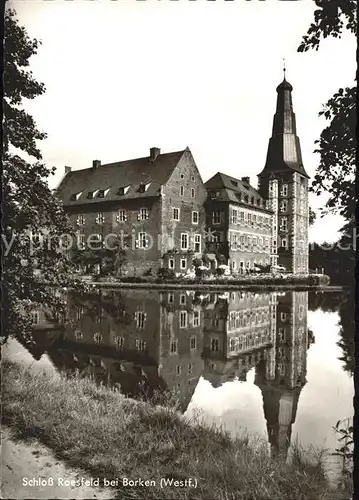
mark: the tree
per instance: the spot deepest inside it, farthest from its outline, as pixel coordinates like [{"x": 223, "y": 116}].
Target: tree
[
  {"x": 33, "y": 222},
  {"x": 312, "y": 216},
  {"x": 337, "y": 144}
]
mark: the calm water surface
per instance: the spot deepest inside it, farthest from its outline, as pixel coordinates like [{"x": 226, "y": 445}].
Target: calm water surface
[{"x": 275, "y": 364}]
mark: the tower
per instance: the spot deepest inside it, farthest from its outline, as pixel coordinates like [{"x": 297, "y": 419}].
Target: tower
[{"x": 284, "y": 182}]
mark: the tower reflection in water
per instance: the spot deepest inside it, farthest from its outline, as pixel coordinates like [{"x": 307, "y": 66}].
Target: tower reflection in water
[{"x": 150, "y": 342}]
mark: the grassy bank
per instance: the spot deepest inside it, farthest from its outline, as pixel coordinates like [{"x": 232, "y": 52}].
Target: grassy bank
[{"x": 110, "y": 436}]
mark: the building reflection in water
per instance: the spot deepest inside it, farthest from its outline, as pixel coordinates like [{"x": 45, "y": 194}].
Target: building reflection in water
[{"x": 145, "y": 341}]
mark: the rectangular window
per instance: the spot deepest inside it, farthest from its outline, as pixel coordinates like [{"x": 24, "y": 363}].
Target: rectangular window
[
  {"x": 182, "y": 191},
  {"x": 140, "y": 319},
  {"x": 81, "y": 241},
  {"x": 197, "y": 243},
  {"x": 214, "y": 344},
  {"x": 173, "y": 346},
  {"x": 80, "y": 220},
  {"x": 143, "y": 215},
  {"x": 189, "y": 369},
  {"x": 100, "y": 219},
  {"x": 178, "y": 369},
  {"x": 284, "y": 243},
  {"x": 283, "y": 206},
  {"x": 283, "y": 316},
  {"x": 196, "y": 318},
  {"x": 232, "y": 345},
  {"x": 184, "y": 241},
  {"x": 193, "y": 343},
  {"x": 284, "y": 190},
  {"x": 119, "y": 341},
  {"x": 193, "y": 192},
  {"x": 97, "y": 337},
  {"x": 216, "y": 217},
  {"x": 121, "y": 216},
  {"x": 283, "y": 223},
  {"x": 182, "y": 298},
  {"x": 171, "y": 263},
  {"x": 176, "y": 214},
  {"x": 142, "y": 241},
  {"x": 234, "y": 216},
  {"x": 194, "y": 217},
  {"x": 140, "y": 345},
  {"x": 183, "y": 319},
  {"x": 183, "y": 263},
  {"x": 171, "y": 298}
]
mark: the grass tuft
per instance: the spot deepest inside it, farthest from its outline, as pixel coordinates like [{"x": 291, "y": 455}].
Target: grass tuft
[{"x": 110, "y": 436}]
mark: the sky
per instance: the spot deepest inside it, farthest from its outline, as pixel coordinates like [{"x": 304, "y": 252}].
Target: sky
[{"x": 122, "y": 76}]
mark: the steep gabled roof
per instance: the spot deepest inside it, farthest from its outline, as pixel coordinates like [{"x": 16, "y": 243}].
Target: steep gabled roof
[
  {"x": 113, "y": 177},
  {"x": 234, "y": 190}
]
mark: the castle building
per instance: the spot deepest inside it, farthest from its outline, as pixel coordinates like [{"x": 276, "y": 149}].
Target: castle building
[
  {"x": 268, "y": 225},
  {"x": 154, "y": 205},
  {"x": 284, "y": 183},
  {"x": 240, "y": 221},
  {"x": 169, "y": 217}
]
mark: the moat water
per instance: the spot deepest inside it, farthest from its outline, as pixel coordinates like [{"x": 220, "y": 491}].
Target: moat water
[{"x": 274, "y": 365}]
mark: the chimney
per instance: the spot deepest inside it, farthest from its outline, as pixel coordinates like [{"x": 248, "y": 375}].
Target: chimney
[
  {"x": 67, "y": 169},
  {"x": 96, "y": 164},
  {"x": 154, "y": 153},
  {"x": 245, "y": 180}
]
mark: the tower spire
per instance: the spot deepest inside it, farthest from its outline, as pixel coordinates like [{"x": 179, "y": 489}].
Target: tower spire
[{"x": 284, "y": 152}]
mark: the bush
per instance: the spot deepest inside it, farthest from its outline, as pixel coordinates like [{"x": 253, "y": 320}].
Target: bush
[
  {"x": 219, "y": 271},
  {"x": 205, "y": 259},
  {"x": 166, "y": 274},
  {"x": 197, "y": 262}
]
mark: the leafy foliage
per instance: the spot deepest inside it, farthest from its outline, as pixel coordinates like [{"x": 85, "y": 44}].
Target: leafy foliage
[
  {"x": 332, "y": 17},
  {"x": 337, "y": 144},
  {"x": 337, "y": 148},
  {"x": 345, "y": 429},
  {"x": 33, "y": 220},
  {"x": 312, "y": 216}
]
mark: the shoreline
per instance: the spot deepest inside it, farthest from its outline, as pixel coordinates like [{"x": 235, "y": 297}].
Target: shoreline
[{"x": 214, "y": 286}]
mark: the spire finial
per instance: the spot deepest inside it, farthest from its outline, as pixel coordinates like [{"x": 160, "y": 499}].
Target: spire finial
[{"x": 284, "y": 68}]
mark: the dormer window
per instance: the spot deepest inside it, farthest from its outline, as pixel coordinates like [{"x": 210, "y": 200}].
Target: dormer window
[
  {"x": 100, "y": 219},
  {"x": 235, "y": 183},
  {"x": 143, "y": 187},
  {"x": 123, "y": 190},
  {"x": 239, "y": 196},
  {"x": 252, "y": 200},
  {"x": 213, "y": 195},
  {"x": 75, "y": 196},
  {"x": 90, "y": 195},
  {"x": 102, "y": 193}
]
